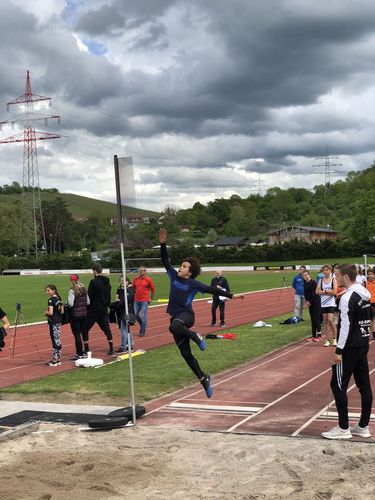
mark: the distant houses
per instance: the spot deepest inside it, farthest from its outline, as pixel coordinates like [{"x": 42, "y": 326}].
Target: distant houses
[
  {"x": 302, "y": 233},
  {"x": 131, "y": 220},
  {"x": 237, "y": 242}
]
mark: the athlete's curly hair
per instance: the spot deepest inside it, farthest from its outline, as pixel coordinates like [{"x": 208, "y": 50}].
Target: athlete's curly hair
[{"x": 195, "y": 266}]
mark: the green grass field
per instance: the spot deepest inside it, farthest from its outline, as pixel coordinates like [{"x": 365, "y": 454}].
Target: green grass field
[
  {"x": 29, "y": 290},
  {"x": 151, "y": 381}
]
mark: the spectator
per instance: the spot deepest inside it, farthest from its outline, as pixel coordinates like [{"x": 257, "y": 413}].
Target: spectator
[
  {"x": 78, "y": 300},
  {"x": 218, "y": 301},
  {"x": 313, "y": 303},
  {"x": 54, "y": 311},
  {"x": 361, "y": 278},
  {"x": 123, "y": 324},
  {"x": 99, "y": 293},
  {"x": 350, "y": 357},
  {"x": 144, "y": 293},
  {"x": 5, "y": 327},
  {"x": 370, "y": 285},
  {"x": 327, "y": 290},
  {"x": 299, "y": 298}
]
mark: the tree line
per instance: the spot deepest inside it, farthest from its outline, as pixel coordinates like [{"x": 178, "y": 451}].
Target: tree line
[{"x": 347, "y": 206}]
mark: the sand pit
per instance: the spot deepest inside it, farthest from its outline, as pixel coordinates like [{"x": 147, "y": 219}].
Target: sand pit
[{"x": 63, "y": 462}]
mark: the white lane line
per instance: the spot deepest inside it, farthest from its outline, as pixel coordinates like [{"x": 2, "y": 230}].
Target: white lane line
[
  {"x": 317, "y": 415},
  {"x": 277, "y": 400},
  {"x": 214, "y": 408}
]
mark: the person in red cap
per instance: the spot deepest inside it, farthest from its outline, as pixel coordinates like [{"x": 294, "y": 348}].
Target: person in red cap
[{"x": 78, "y": 300}]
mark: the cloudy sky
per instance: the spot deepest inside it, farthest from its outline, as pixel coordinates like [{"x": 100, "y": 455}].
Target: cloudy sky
[{"x": 207, "y": 96}]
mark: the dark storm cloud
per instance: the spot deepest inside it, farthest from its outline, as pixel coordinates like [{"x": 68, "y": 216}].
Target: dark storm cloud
[{"x": 121, "y": 14}]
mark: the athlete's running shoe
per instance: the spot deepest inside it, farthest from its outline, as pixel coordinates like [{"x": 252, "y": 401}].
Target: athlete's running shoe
[
  {"x": 327, "y": 343},
  {"x": 337, "y": 433},
  {"x": 54, "y": 362},
  {"x": 199, "y": 340},
  {"x": 207, "y": 385},
  {"x": 309, "y": 339},
  {"x": 334, "y": 342},
  {"x": 360, "y": 431},
  {"x": 317, "y": 339}
]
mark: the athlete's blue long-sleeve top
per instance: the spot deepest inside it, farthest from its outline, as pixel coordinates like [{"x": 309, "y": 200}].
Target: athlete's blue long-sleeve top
[{"x": 183, "y": 290}]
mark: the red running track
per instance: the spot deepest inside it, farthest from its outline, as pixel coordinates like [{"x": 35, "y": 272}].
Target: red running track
[
  {"x": 33, "y": 345},
  {"x": 285, "y": 392}
]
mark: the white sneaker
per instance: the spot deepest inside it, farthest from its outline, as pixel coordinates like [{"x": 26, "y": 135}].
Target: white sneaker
[
  {"x": 327, "y": 343},
  {"x": 363, "y": 432},
  {"x": 337, "y": 433}
]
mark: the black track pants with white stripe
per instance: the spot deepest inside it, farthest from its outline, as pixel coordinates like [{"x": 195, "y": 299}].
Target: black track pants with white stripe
[{"x": 354, "y": 362}]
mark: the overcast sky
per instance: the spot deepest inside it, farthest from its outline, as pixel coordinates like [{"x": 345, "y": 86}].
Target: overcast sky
[{"x": 203, "y": 94}]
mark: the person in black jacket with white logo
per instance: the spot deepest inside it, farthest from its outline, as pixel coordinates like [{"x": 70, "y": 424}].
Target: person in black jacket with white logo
[
  {"x": 218, "y": 301},
  {"x": 350, "y": 357},
  {"x": 99, "y": 293}
]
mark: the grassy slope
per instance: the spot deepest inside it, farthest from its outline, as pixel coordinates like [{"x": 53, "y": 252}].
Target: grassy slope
[{"x": 81, "y": 206}]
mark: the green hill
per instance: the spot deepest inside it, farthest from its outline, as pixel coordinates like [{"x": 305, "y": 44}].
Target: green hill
[{"x": 81, "y": 206}]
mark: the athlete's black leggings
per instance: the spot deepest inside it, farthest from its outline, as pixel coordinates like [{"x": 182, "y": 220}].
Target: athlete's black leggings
[
  {"x": 354, "y": 362},
  {"x": 179, "y": 327}
]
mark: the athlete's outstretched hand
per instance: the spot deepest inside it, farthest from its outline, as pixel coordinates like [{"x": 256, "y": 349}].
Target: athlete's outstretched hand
[{"x": 162, "y": 235}]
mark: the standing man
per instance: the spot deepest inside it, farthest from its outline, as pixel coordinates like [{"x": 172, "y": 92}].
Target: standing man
[
  {"x": 99, "y": 292},
  {"x": 144, "y": 293},
  {"x": 219, "y": 301},
  {"x": 299, "y": 297},
  {"x": 350, "y": 356},
  {"x": 4, "y": 328}
]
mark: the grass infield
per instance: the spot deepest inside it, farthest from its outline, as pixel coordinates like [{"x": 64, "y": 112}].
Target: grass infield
[
  {"x": 162, "y": 371},
  {"x": 29, "y": 290}
]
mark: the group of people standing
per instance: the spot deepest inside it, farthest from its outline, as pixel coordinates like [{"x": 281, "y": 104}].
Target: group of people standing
[
  {"x": 342, "y": 291},
  {"x": 322, "y": 297},
  {"x": 89, "y": 306}
]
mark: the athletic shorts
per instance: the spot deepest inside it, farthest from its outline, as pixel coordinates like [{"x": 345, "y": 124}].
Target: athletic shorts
[{"x": 328, "y": 310}]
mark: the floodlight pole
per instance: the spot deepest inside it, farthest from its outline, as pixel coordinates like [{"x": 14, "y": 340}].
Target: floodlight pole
[{"x": 123, "y": 265}]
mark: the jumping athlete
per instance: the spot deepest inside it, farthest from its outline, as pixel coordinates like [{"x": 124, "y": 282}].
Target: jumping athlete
[{"x": 183, "y": 288}]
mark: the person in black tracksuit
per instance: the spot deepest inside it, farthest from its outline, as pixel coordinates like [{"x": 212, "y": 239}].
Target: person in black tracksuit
[
  {"x": 99, "y": 292},
  {"x": 350, "y": 356},
  {"x": 219, "y": 301},
  {"x": 313, "y": 301},
  {"x": 183, "y": 288}
]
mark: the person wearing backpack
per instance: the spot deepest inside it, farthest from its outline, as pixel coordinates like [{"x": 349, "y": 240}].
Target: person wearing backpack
[
  {"x": 327, "y": 290},
  {"x": 54, "y": 312},
  {"x": 78, "y": 300}
]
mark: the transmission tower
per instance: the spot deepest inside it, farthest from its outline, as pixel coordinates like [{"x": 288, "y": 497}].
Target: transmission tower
[
  {"x": 32, "y": 238},
  {"x": 328, "y": 163}
]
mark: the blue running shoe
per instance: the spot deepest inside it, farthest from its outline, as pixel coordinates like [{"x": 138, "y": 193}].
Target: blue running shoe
[
  {"x": 200, "y": 341},
  {"x": 206, "y": 385}
]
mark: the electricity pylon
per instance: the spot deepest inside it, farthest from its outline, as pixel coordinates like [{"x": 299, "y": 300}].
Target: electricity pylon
[{"x": 32, "y": 238}]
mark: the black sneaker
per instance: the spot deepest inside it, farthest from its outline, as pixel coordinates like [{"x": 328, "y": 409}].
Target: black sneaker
[
  {"x": 222, "y": 325},
  {"x": 84, "y": 354},
  {"x": 122, "y": 350},
  {"x": 54, "y": 362},
  {"x": 199, "y": 340},
  {"x": 76, "y": 357},
  {"x": 142, "y": 334},
  {"x": 213, "y": 324},
  {"x": 111, "y": 352},
  {"x": 206, "y": 382}
]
